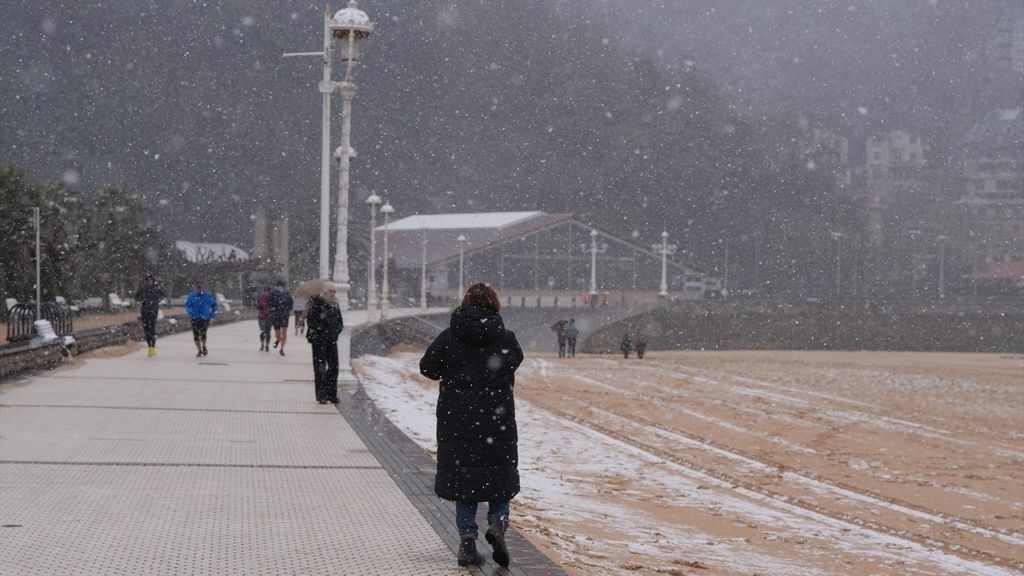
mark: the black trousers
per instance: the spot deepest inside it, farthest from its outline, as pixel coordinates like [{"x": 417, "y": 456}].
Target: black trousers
[
  {"x": 199, "y": 326},
  {"x": 572, "y": 347},
  {"x": 149, "y": 327},
  {"x": 325, "y": 370}
]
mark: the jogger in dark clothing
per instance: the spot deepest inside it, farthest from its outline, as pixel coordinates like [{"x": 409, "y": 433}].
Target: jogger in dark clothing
[
  {"x": 323, "y": 325},
  {"x": 149, "y": 296},
  {"x": 280, "y": 312},
  {"x": 265, "y": 318}
]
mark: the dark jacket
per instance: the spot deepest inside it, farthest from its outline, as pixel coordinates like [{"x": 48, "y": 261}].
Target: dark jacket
[
  {"x": 571, "y": 331},
  {"x": 263, "y": 305},
  {"x": 149, "y": 298},
  {"x": 323, "y": 321},
  {"x": 475, "y": 359},
  {"x": 281, "y": 304},
  {"x": 627, "y": 344}
]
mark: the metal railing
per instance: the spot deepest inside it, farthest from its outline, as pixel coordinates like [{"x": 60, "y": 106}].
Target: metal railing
[{"x": 20, "y": 320}]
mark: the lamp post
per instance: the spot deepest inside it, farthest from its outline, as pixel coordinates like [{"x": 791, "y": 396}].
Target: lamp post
[
  {"x": 387, "y": 210},
  {"x": 39, "y": 285},
  {"x": 725, "y": 279},
  {"x": 462, "y": 263},
  {"x": 594, "y": 251},
  {"x": 325, "y": 87},
  {"x": 373, "y": 201},
  {"x": 838, "y": 237},
  {"x": 423, "y": 275},
  {"x": 942, "y": 267},
  {"x": 349, "y": 25},
  {"x": 665, "y": 249}
]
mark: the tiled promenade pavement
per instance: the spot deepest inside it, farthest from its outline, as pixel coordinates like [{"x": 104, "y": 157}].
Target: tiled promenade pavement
[{"x": 215, "y": 466}]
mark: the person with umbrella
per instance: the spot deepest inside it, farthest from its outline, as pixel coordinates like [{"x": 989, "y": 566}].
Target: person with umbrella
[{"x": 559, "y": 329}]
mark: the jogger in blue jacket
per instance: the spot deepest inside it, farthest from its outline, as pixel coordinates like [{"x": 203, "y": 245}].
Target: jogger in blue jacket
[{"x": 201, "y": 306}]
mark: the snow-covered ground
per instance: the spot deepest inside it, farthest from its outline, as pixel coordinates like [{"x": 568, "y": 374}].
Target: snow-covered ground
[{"x": 757, "y": 462}]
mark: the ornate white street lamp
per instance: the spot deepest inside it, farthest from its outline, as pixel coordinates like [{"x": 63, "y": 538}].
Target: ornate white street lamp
[
  {"x": 349, "y": 25},
  {"x": 594, "y": 251},
  {"x": 387, "y": 210},
  {"x": 423, "y": 275},
  {"x": 325, "y": 87},
  {"x": 838, "y": 237},
  {"x": 373, "y": 201},
  {"x": 462, "y": 258},
  {"x": 943, "y": 239},
  {"x": 665, "y": 249}
]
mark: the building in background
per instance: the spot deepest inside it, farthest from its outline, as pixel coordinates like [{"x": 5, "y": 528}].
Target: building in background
[
  {"x": 529, "y": 257},
  {"x": 895, "y": 164},
  {"x": 1006, "y": 46},
  {"x": 826, "y": 150},
  {"x": 271, "y": 244},
  {"x": 993, "y": 197}
]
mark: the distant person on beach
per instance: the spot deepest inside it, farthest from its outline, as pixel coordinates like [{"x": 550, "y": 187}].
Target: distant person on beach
[
  {"x": 571, "y": 334},
  {"x": 201, "y": 306},
  {"x": 626, "y": 345},
  {"x": 281, "y": 304},
  {"x": 149, "y": 296},
  {"x": 323, "y": 325},
  {"x": 559, "y": 330},
  {"x": 641, "y": 346},
  {"x": 265, "y": 319},
  {"x": 475, "y": 359}
]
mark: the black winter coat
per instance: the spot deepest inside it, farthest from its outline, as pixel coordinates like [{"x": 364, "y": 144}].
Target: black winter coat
[
  {"x": 323, "y": 321},
  {"x": 281, "y": 304},
  {"x": 149, "y": 298},
  {"x": 475, "y": 359}
]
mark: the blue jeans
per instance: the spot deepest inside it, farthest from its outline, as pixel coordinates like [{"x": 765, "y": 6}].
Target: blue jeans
[{"x": 465, "y": 515}]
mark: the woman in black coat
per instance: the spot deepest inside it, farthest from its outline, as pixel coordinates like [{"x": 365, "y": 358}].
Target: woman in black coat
[
  {"x": 323, "y": 325},
  {"x": 475, "y": 359}
]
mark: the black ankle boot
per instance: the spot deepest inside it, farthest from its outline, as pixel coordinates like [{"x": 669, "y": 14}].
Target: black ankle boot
[
  {"x": 495, "y": 536},
  {"x": 468, "y": 556}
]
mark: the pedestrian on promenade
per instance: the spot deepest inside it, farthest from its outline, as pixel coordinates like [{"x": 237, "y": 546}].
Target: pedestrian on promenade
[
  {"x": 475, "y": 359},
  {"x": 626, "y": 345},
  {"x": 323, "y": 325},
  {"x": 299, "y": 308},
  {"x": 263, "y": 306},
  {"x": 571, "y": 334},
  {"x": 280, "y": 312},
  {"x": 641, "y": 346},
  {"x": 201, "y": 306},
  {"x": 149, "y": 296}
]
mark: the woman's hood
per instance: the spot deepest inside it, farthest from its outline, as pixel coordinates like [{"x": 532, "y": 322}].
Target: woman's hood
[{"x": 476, "y": 326}]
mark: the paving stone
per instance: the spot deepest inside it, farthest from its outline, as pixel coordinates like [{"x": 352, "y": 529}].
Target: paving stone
[{"x": 214, "y": 466}]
